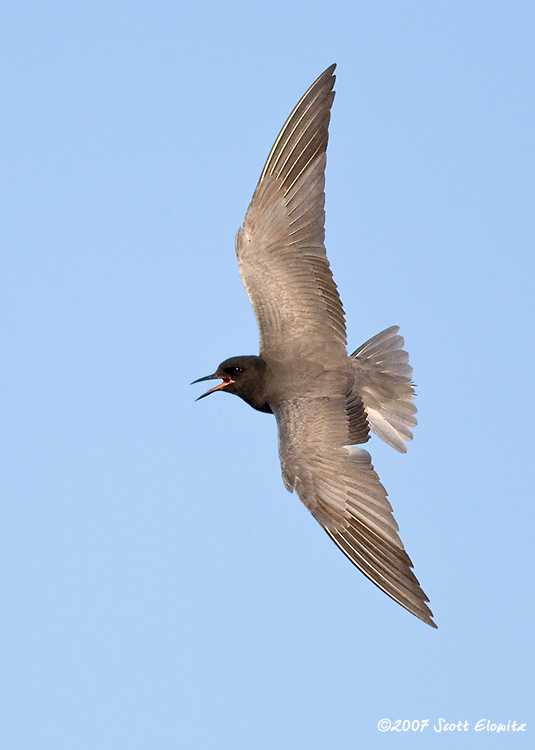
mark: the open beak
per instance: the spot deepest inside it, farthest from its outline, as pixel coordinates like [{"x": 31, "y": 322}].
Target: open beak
[{"x": 226, "y": 381}]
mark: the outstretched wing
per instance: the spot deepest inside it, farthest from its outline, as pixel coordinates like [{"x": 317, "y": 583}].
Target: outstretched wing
[
  {"x": 339, "y": 486},
  {"x": 281, "y": 255}
]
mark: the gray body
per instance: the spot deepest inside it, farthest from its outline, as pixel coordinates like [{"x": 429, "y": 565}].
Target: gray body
[{"x": 325, "y": 402}]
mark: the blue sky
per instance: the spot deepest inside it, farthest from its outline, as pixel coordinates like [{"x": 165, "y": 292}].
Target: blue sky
[{"x": 159, "y": 587}]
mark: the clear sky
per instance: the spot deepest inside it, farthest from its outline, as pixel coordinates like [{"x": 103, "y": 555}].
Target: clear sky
[{"x": 159, "y": 588}]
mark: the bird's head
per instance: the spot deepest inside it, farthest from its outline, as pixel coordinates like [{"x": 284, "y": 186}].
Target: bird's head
[{"x": 244, "y": 376}]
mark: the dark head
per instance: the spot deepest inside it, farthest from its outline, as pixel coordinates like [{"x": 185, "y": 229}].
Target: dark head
[{"x": 243, "y": 376}]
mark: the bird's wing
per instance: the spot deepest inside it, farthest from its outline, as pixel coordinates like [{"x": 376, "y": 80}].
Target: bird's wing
[
  {"x": 281, "y": 255},
  {"x": 339, "y": 486},
  {"x": 383, "y": 381}
]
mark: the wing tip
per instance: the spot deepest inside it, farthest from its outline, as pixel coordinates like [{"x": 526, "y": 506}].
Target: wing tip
[
  {"x": 407, "y": 593},
  {"x": 321, "y": 89}
]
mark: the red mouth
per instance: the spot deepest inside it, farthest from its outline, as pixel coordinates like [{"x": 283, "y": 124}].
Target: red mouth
[{"x": 226, "y": 381}]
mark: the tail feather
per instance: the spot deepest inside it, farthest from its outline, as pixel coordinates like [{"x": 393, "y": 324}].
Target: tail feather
[{"x": 383, "y": 381}]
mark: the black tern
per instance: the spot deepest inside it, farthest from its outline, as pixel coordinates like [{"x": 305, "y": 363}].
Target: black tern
[{"x": 325, "y": 402}]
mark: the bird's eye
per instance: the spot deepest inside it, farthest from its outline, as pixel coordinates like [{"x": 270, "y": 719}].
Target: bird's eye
[{"x": 235, "y": 370}]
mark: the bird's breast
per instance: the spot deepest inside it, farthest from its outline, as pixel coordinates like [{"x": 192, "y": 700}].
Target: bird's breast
[{"x": 303, "y": 377}]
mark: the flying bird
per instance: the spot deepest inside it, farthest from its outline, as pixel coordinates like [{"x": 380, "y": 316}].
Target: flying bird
[{"x": 325, "y": 402}]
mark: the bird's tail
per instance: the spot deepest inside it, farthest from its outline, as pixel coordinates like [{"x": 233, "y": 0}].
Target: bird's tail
[{"x": 383, "y": 381}]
